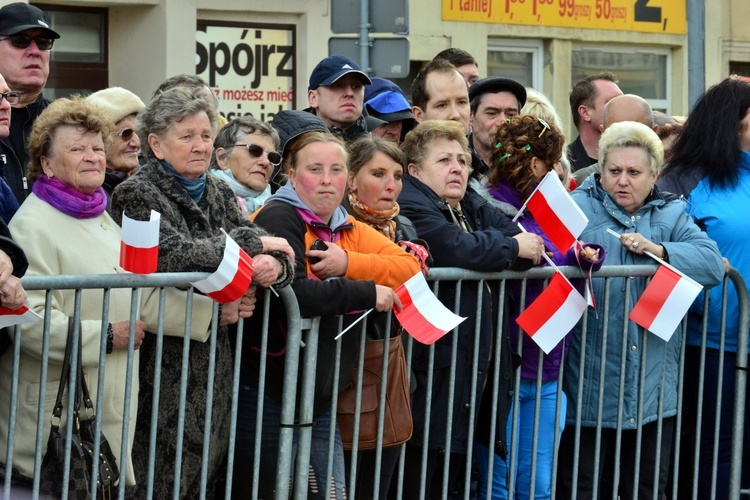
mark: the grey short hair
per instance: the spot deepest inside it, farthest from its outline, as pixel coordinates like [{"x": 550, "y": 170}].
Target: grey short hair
[
  {"x": 237, "y": 130},
  {"x": 168, "y": 108},
  {"x": 632, "y": 134}
]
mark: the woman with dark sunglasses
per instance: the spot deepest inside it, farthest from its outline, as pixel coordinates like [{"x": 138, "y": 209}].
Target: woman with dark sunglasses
[
  {"x": 121, "y": 106},
  {"x": 245, "y": 154}
]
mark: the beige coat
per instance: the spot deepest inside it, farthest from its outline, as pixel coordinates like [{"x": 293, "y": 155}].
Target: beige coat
[{"x": 57, "y": 244}]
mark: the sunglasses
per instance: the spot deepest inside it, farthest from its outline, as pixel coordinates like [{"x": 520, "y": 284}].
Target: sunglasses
[
  {"x": 125, "y": 134},
  {"x": 11, "y": 97},
  {"x": 256, "y": 151},
  {"x": 23, "y": 41}
]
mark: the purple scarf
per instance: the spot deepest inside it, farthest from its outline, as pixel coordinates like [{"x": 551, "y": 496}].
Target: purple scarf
[{"x": 68, "y": 200}]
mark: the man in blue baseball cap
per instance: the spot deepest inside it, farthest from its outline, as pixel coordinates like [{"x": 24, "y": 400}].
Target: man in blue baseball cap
[
  {"x": 336, "y": 95},
  {"x": 386, "y": 102}
]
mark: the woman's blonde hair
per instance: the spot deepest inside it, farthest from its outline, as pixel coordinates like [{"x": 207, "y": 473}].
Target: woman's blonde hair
[
  {"x": 632, "y": 134},
  {"x": 298, "y": 143},
  {"x": 416, "y": 141},
  {"x": 537, "y": 104},
  {"x": 75, "y": 112}
]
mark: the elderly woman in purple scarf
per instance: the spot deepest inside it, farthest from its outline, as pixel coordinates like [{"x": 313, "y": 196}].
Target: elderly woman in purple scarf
[{"x": 64, "y": 229}]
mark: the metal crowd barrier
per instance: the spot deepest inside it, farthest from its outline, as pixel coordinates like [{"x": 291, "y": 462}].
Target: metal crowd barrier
[{"x": 294, "y": 443}]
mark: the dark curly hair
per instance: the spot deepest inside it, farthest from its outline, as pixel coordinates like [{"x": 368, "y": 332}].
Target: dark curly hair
[{"x": 517, "y": 141}]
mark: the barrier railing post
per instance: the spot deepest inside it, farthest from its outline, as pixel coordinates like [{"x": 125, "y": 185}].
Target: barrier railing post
[
  {"x": 294, "y": 417},
  {"x": 738, "y": 427}
]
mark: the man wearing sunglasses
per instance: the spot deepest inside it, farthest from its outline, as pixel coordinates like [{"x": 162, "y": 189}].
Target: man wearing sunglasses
[{"x": 25, "y": 42}]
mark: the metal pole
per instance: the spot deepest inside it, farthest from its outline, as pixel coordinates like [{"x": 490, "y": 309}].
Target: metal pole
[
  {"x": 364, "y": 35},
  {"x": 696, "y": 19}
]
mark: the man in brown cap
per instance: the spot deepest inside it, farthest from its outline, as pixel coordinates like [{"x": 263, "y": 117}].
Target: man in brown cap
[{"x": 26, "y": 39}]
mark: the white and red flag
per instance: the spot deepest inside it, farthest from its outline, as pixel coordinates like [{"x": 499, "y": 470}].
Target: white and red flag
[
  {"x": 423, "y": 315},
  {"x": 232, "y": 278},
  {"x": 553, "y": 314},
  {"x": 556, "y": 213},
  {"x": 665, "y": 302},
  {"x": 19, "y": 316},
  {"x": 139, "y": 248}
]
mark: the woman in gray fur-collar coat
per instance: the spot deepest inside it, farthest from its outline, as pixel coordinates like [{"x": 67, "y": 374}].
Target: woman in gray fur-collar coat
[{"x": 176, "y": 131}]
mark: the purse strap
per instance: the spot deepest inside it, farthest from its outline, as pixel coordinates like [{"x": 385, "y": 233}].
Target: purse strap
[
  {"x": 65, "y": 373},
  {"x": 65, "y": 376},
  {"x": 83, "y": 386}
]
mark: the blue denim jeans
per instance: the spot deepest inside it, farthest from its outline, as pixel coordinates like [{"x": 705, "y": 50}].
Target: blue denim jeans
[
  {"x": 524, "y": 442},
  {"x": 269, "y": 447}
]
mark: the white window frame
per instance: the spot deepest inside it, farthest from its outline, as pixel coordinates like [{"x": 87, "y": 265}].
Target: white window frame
[
  {"x": 533, "y": 46},
  {"x": 662, "y": 104}
]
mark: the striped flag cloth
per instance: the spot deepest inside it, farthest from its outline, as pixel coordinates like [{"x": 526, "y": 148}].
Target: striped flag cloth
[
  {"x": 665, "y": 302},
  {"x": 556, "y": 212},
  {"x": 423, "y": 315},
  {"x": 553, "y": 314},
  {"x": 19, "y": 316},
  {"x": 232, "y": 278},
  {"x": 139, "y": 248}
]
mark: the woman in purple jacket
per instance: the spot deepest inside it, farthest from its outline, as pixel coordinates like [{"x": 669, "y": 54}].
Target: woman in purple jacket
[{"x": 526, "y": 148}]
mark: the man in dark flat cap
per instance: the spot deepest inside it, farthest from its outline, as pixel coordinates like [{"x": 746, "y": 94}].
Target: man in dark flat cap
[{"x": 491, "y": 100}]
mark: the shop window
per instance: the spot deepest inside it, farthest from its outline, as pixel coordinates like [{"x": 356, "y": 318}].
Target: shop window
[
  {"x": 78, "y": 62},
  {"x": 519, "y": 60},
  {"x": 644, "y": 72},
  {"x": 741, "y": 68}
]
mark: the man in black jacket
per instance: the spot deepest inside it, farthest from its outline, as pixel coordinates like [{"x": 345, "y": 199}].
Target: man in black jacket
[
  {"x": 25, "y": 43},
  {"x": 336, "y": 94}
]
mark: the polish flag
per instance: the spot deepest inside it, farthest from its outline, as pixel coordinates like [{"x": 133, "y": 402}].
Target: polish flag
[
  {"x": 556, "y": 212},
  {"x": 553, "y": 314},
  {"x": 232, "y": 278},
  {"x": 19, "y": 316},
  {"x": 665, "y": 302},
  {"x": 423, "y": 315},
  {"x": 139, "y": 248}
]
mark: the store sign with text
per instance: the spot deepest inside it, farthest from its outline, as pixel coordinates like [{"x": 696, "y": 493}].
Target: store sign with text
[
  {"x": 652, "y": 16},
  {"x": 249, "y": 66}
]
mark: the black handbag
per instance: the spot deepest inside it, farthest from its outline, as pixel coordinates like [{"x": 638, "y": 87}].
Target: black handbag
[{"x": 82, "y": 460}]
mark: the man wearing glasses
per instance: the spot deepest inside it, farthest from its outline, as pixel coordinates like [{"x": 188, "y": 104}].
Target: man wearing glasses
[{"x": 25, "y": 42}]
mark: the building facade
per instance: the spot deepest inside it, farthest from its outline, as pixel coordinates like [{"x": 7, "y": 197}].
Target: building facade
[{"x": 257, "y": 54}]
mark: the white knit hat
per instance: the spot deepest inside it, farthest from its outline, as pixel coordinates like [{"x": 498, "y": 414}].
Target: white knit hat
[{"x": 116, "y": 103}]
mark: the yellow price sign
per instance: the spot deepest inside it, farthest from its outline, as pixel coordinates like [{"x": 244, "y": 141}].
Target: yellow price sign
[{"x": 652, "y": 16}]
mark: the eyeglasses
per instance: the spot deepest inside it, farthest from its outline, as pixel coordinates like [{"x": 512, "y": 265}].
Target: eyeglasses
[
  {"x": 545, "y": 125},
  {"x": 256, "y": 151},
  {"x": 125, "y": 134},
  {"x": 23, "y": 41},
  {"x": 11, "y": 97}
]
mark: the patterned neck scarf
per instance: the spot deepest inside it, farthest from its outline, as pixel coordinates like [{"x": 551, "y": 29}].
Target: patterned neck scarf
[{"x": 382, "y": 220}]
